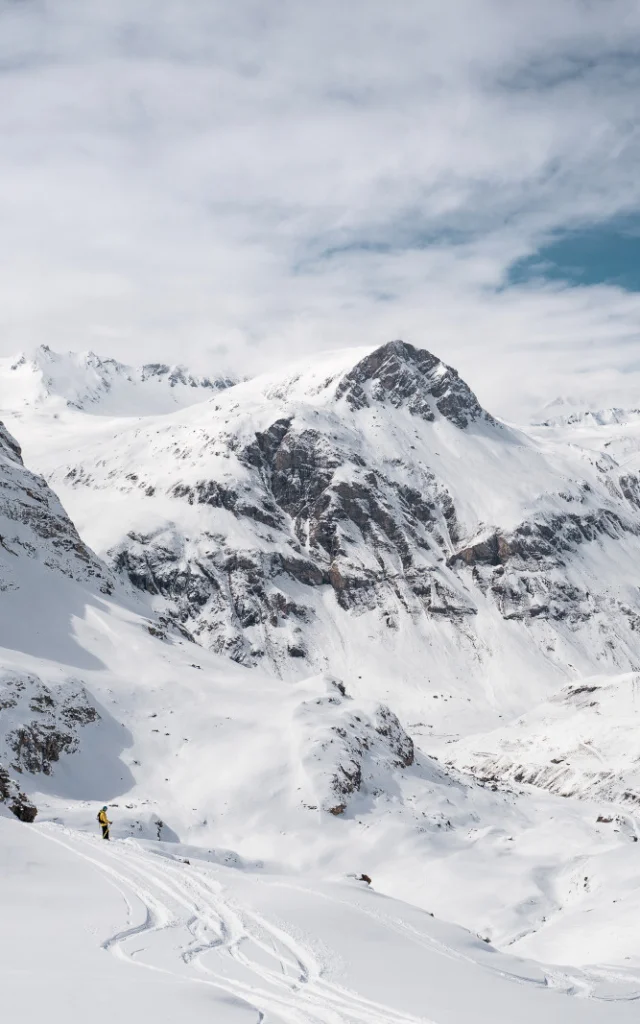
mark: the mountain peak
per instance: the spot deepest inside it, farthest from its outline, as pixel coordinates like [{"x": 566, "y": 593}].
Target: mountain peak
[{"x": 405, "y": 376}]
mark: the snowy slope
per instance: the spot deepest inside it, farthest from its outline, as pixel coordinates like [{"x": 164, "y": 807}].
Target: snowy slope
[
  {"x": 98, "y": 700},
  {"x": 577, "y": 414},
  {"x": 228, "y": 759},
  {"x": 76, "y": 641},
  {"x": 163, "y": 937},
  {"x": 614, "y": 433},
  {"x": 585, "y": 740}
]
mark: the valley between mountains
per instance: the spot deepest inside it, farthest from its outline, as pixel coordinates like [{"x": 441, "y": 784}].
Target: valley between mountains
[{"x": 334, "y": 621}]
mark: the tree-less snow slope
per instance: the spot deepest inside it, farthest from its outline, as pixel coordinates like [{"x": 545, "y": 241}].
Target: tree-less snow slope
[
  {"x": 583, "y": 741},
  {"x": 148, "y": 933}
]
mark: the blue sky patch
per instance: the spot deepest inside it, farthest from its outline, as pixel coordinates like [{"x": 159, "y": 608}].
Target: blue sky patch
[{"x": 601, "y": 254}]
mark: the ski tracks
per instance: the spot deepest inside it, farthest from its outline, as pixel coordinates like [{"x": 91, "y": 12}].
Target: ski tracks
[{"x": 192, "y": 928}]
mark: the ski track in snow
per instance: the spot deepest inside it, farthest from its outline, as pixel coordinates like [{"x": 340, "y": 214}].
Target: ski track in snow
[{"x": 215, "y": 941}]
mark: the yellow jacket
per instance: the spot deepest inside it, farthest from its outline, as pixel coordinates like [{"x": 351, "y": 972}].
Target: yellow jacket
[{"x": 102, "y": 818}]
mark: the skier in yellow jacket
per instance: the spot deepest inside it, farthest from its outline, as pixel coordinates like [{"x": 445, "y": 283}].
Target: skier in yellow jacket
[{"x": 104, "y": 822}]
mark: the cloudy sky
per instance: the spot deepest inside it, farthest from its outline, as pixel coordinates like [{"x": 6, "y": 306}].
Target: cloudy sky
[{"x": 234, "y": 184}]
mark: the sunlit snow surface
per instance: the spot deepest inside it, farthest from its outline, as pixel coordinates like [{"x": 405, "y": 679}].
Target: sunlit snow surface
[
  {"x": 267, "y": 922},
  {"x": 132, "y": 929}
]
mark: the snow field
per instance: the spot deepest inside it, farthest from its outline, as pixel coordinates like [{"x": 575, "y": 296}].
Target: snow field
[{"x": 127, "y": 929}]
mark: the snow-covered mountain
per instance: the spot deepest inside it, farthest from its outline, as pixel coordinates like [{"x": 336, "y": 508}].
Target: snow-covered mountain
[
  {"x": 576, "y": 413},
  {"x": 85, "y": 381},
  {"x": 361, "y": 514},
  {"x": 52, "y": 587},
  {"x": 613, "y": 416},
  {"x": 99, "y": 696},
  {"x": 262, "y": 792},
  {"x": 100, "y": 700}
]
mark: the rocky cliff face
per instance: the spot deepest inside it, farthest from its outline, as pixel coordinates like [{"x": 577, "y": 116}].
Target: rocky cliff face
[
  {"x": 34, "y": 526},
  {"x": 38, "y": 724},
  {"x": 326, "y": 514},
  {"x": 12, "y": 796},
  {"x": 405, "y": 377}
]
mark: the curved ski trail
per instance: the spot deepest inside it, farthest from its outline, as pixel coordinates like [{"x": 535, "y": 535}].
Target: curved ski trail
[{"x": 190, "y": 927}]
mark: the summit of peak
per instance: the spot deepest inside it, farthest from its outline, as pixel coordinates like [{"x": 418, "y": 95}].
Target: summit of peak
[{"x": 402, "y": 375}]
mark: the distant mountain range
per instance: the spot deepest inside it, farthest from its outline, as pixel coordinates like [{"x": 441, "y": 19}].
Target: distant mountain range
[{"x": 86, "y": 382}]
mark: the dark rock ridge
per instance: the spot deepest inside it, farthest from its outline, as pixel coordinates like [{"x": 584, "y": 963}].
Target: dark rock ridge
[
  {"x": 33, "y": 524},
  {"x": 9, "y": 447},
  {"x": 325, "y": 522},
  {"x": 545, "y": 538},
  {"x": 520, "y": 568}
]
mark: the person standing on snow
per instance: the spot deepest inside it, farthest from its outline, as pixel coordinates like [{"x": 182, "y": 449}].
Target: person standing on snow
[{"x": 104, "y": 822}]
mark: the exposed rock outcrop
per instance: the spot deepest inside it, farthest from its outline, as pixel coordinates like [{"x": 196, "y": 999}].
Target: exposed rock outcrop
[
  {"x": 17, "y": 801},
  {"x": 37, "y": 725},
  {"x": 346, "y": 751},
  {"x": 33, "y": 524}
]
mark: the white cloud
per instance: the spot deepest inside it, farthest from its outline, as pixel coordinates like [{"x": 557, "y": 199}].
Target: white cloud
[{"x": 234, "y": 183}]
